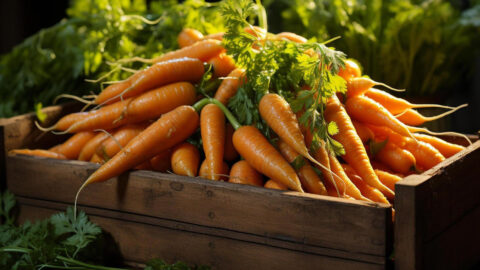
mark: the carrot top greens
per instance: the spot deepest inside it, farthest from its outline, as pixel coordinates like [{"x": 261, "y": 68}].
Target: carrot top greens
[{"x": 282, "y": 67}]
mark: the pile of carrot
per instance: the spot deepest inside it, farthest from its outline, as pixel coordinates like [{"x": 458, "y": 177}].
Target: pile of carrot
[{"x": 145, "y": 122}]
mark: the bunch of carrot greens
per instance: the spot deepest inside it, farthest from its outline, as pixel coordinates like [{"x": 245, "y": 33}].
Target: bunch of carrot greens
[{"x": 258, "y": 108}]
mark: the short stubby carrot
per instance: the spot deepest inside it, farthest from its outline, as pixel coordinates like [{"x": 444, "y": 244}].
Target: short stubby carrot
[
  {"x": 169, "y": 130},
  {"x": 111, "y": 146},
  {"x": 273, "y": 184},
  {"x": 366, "y": 190},
  {"x": 447, "y": 149},
  {"x": 188, "y": 36},
  {"x": 38, "y": 153},
  {"x": 161, "y": 73},
  {"x": 308, "y": 177},
  {"x": 72, "y": 147},
  {"x": 161, "y": 162},
  {"x": 396, "y": 158},
  {"x": 222, "y": 64},
  {"x": 203, "y": 172},
  {"x": 355, "y": 153},
  {"x": 388, "y": 179},
  {"x": 202, "y": 50},
  {"x": 185, "y": 159},
  {"x": 212, "y": 129},
  {"x": 366, "y": 110},
  {"x": 230, "y": 153},
  {"x": 243, "y": 173},
  {"x": 91, "y": 146},
  {"x": 229, "y": 86},
  {"x": 262, "y": 156}
]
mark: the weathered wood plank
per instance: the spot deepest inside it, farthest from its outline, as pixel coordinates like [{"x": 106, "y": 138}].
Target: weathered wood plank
[
  {"x": 171, "y": 244},
  {"x": 355, "y": 227}
]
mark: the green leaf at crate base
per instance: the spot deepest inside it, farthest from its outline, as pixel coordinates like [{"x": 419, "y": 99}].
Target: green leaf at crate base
[
  {"x": 376, "y": 147},
  {"x": 332, "y": 128},
  {"x": 298, "y": 163},
  {"x": 41, "y": 116}
]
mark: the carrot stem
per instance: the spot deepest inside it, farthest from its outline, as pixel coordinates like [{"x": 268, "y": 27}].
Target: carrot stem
[{"x": 231, "y": 118}]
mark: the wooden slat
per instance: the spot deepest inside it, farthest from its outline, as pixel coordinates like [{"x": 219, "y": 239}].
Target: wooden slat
[
  {"x": 430, "y": 205},
  {"x": 350, "y": 226},
  {"x": 171, "y": 244}
]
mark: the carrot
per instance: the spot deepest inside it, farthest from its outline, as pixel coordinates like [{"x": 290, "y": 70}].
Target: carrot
[
  {"x": 161, "y": 162},
  {"x": 188, "y": 36},
  {"x": 72, "y": 147},
  {"x": 111, "y": 146},
  {"x": 376, "y": 165},
  {"x": 162, "y": 73},
  {"x": 229, "y": 86},
  {"x": 331, "y": 182},
  {"x": 366, "y": 110},
  {"x": 172, "y": 128},
  {"x": 185, "y": 159},
  {"x": 38, "y": 153},
  {"x": 359, "y": 85},
  {"x": 355, "y": 153},
  {"x": 212, "y": 128},
  {"x": 396, "y": 105},
  {"x": 349, "y": 188},
  {"x": 96, "y": 159},
  {"x": 91, "y": 146},
  {"x": 351, "y": 70},
  {"x": 425, "y": 154},
  {"x": 216, "y": 36},
  {"x": 388, "y": 179},
  {"x": 202, "y": 50},
  {"x": 364, "y": 133},
  {"x": 273, "y": 184},
  {"x": 366, "y": 190},
  {"x": 230, "y": 154},
  {"x": 447, "y": 149},
  {"x": 308, "y": 177},
  {"x": 413, "y": 118},
  {"x": 291, "y": 37},
  {"x": 398, "y": 159},
  {"x": 65, "y": 122},
  {"x": 243, "y": 173},
  {"x": 147, "y": 106},
  {"x": 203, "y": 172},
  {"x": 222, "y": 64}
]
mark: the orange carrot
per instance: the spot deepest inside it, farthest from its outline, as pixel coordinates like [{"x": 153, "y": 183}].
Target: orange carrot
[
  {"x": 447, "y": 149},
  {"x": 162, "y": 73},
  {"x": 185, "y": 159},
  {"x": 400, "y": 160},
  {"x": 202, "y": 50},
  {"x": 308, "y": 177},
  {"x": 65, "y": 122},
  {"x": 147, "y": 106},
  {"x": 217, "y": 36},
  {"x": 172, "y": 128},
  {"x": 188, "y": 36},
  {"x": 111, "y": 146},
  {"x": 388, "y": 179},
  {"x": 359, "y": 85},
  {"x": 369, "y": 111},
  {"x": 273, "y": 184},
  {"x": 243, "y": 173},
  {"x": 91, "y": 146},
  {"x": 291, "y": 37},
  {"x": 212, "y": 128},
  {"x": 351, "y": 70},
  {"x": 161, "y": 162},
  {"x": 394, "y": 104},
  {"x": 413, "y": 118},
  {"x": 366, "y": 190},
  {"x": 349, "y": 188},
  {"x": 229, "y": 86},
  {"x": 72, "y": 147},
  {"x": 364, "y": 133},
  {"x": 331, "y": 183},
  {"x": 38, "y": 153},
  {"x": 380, "y": 166},
  {"x": 96, "y": 159},
  {"x": 230, "y": 154},
  {"x": 203, "y": 172},
  {"x": 355, "y": 153},
  {"x": 425, "y": 154},
  {"x": 222, "y": 64}
]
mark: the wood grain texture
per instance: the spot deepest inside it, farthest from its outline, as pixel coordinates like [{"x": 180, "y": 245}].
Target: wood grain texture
[
  {"x": 432, "y": 209},
  {"x": 179, "y": 243}
]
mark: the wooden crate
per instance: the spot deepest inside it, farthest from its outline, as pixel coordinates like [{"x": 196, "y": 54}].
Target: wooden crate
[{"x": 230, "y": 226}]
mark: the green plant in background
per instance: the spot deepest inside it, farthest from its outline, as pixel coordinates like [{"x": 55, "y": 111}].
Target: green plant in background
[{"x": 423, "y": 46}]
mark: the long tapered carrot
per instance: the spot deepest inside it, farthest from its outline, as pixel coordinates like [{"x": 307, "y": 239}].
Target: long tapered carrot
[
  {"x": 161, "y": 73},
  {"x": 38, "y": 153},
  {"x": 274, "y": 184},
  {"x": 308, "y": 177},
  {"x": 350, "y": 188},
  {"x": 147, "y": 106},
  {"x": 202, "y": 50},
  {"x": 65, "y": 122},
  {"x": 360, "y": 85},
  {"x": 355, "y": 153},
  {"x": 447, "y": 149},
  {"x": 331, "y": 182},
  {"x": 212, "y": 128},
  {"x": 72, "y": 147},
  {"x": 111, "y": 146},
  {"x": 366, "y": 110},
  {"x": 388, "y": 179},
  {"x": 242, "y": 173},
  {"x": 230, "y": 154},
  {"x": 414, "y": 118},
  {"x": 91, "y": 146},
  {"x": 229, "y": 86},
  {"x": 222, "y": 64},
  {"x": 185, "y": 159},
  {"x": 366, "y": 190},
  {"x": 203, "y": 171},
  {"x": 397, "y": 105},
  {"x": 188, "y": 36}
]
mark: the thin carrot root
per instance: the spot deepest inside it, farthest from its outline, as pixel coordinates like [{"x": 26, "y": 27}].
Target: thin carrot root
[
  {"x": 445, "y": 133},
  {"x": 309, "y": 157},
  {"x": 135, "y": 59},
  {"x": 417, "y": 106},
  {"x": 143, "y": 19},
  {"x": 44, "y": 129},
  {"x": 104, "y": 76},
  {"x": 79, "y": 99},
  {"x": 432, "y": 118},
  {"x": 389, "y": 87}
]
